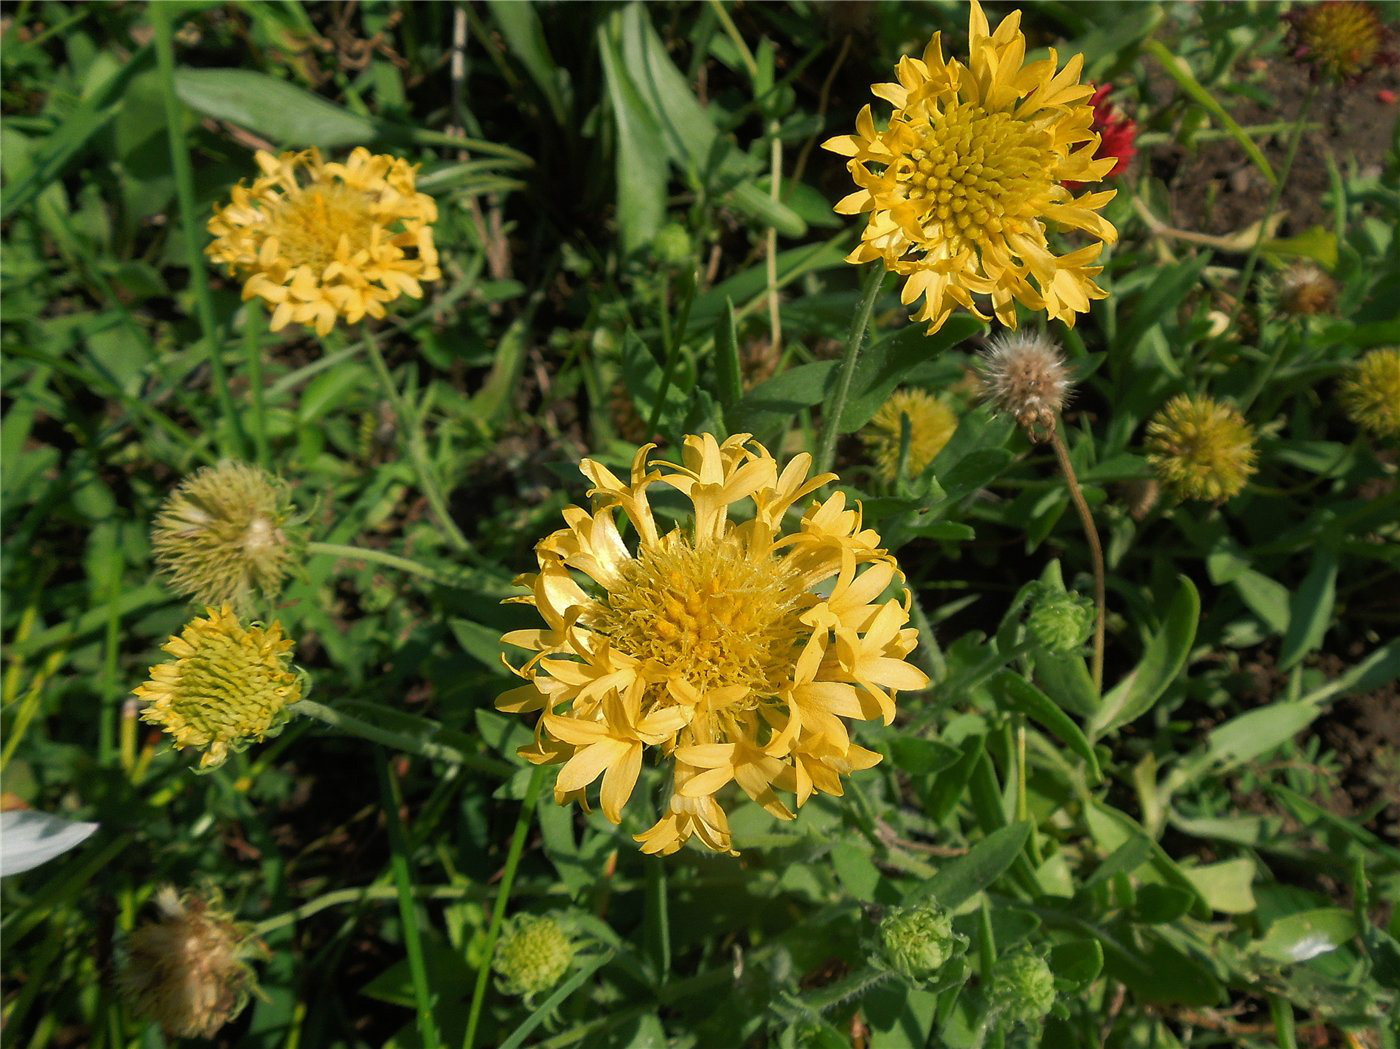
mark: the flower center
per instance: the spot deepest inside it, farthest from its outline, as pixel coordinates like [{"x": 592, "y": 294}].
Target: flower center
[
  {"x": 713, "y": 615},
  {"x": 974, "y": 170},
  {"x": 309, "y": 224}
]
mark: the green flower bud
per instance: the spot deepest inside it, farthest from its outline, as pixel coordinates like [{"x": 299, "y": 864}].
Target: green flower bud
[
  {"x": 672, "y": 246},
  {"x": 532, "y": 955},
  {"x": 1022, "y": 987},
  {"x": 919, "y": 940},
  {"x": 1060, "y": 622}
]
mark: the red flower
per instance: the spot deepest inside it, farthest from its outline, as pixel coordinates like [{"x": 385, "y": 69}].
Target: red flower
[{"x": 1117, "y": 134}]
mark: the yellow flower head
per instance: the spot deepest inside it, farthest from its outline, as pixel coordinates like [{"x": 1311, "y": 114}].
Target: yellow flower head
[
  {"x": 972, "y": 167},
  {"x": 227, "y": 686},
  {"x": 1371, "y": 393},
  {"x": 225, "y": 532},
  {"x": 189, "y": 970},
  {"x": 931, "y": 425},
  {"x": 732, "y": 645},
  {"x": 1201, "y": 448},
  {"x": 319, "y": 241}
]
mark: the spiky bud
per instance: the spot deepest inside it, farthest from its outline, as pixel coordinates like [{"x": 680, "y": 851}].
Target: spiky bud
[
  {"x": 1022, "y": 988},
  {"x": 918, "y": 941},
  {"x": 931, "y": 425},
  {"x": 227, "y": 686},
  {"x": 532, "y": 955},
  {"x": 1340, "y": 40},
  {"x": 1025, "y": 376},
  {"x": 1371, "y": 393},
  {"x": 671, "y": 246},
  {"x": 226, "y": 532},
  {"x": 189, "y": 969},
  {"x": 1201, "y": 448},
  {"x": 1060, "y": 622}
]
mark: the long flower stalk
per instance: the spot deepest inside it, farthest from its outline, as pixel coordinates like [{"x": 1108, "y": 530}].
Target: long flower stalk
[
  {"x": 1091, "y": 535},
  {"x": 836, "y": 402}
]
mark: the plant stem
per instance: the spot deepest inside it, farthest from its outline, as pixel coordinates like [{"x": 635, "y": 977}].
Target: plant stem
[
  {"x": 232, "y": 441},
  {"x": 836, "y": 403},
  {"x": 1252, "y": 260},
  {"x": 417, "y": 446},
  {"x": 353, "y": 726},
  {"x": 673, "y": 352},
  {"x": 382, "y": 557},
  {"x": 408, "y": 908},
  {"x": 1091, "y": 534},
  {"x": 498, "y": 909},
  {"x": 252, "y": 347}
]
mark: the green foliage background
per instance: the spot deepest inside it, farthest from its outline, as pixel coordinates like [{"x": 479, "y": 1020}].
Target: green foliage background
[{"x": 1187, "y": 849}]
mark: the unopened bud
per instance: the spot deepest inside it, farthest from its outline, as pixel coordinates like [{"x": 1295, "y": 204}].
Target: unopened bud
[
  {"x": 1060, "y": 622},
  {"x": 1022, "y": 987},
  {"x": 919, "y": 940},
  {"x": 532, "y": 955}
]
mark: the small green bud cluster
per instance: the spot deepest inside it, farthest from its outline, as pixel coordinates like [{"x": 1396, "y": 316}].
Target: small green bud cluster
[
  {"x": 1060, "y": 622},
  {"x": 532, "y": 955},
  {"x": 671, "y": 247},
  {"x": 919, "y": 940},
  {"x": 1022, "y": 988}
]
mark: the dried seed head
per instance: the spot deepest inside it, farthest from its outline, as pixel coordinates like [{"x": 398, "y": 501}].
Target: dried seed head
[
  {"x": 226, "y": 532},
  {"x": 1025, "y": 376},
  {"x": 1305, "y": 290},
  {"x": 188, "y": 970}
]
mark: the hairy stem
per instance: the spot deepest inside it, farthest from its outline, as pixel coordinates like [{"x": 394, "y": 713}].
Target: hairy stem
[
  {"x": 1091, "y": 535},
  {"x": 836, "y": 403}
]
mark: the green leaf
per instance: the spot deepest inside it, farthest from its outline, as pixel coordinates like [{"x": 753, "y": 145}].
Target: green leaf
[
  {"x": 729, "y": 382},
  {"x": 1160, "y": 972},
  {"x": 1316, "y": 243},
  {"x": 1310, "y": 611},
  {"x": 775, "y": 402},
  {"x": 1244, "y": 738},
  {"x": 1020, "y": 695},
  {"x": 1066, "y": 680},
  {"x": 1304, "y": 935},
  {"x": 556, "y": 998},
  {"x": 922, "y": 757},
  {"x": 1161, "y": 663},
  {"x": 640, "y": 154},
  {"x": 963, "y": 878},
  {"x": 1076, "y": 964},
  {"x": 886, "y": 362},
  {"x": 1226, "y": 886},
  {"x": 524, "y": 36},
  {"x": 275, "y": 109}
]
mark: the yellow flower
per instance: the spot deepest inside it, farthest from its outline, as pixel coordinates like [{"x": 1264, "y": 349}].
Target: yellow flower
[
  {"x": 1371, "y": 393},
  {"x": 971, "y": 169},
  {"x": 931, "y": 425},
  {"x": 189, "y": 970},
  {"x": 1201, "y": 448},
  {"x": 319, "y": 241},
  {"x": 731, "y": 646},
  {"x": 223, "y": 533},
  {"x": 227, "y": 685}
]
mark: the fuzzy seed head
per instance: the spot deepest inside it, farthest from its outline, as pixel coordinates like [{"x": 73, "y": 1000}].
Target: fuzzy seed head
[
  {"x": 1025, "y": 376},
  {"x": 918, "y": 941},
  {"x": 227, "y": 686},
  {"x": 931, "y": 425},
  {"x": 1022, "y": 988},
  {"x": 1201, "y": 448},
  {"x": 225, "y": 533},
  {"x": 1371, "y": 393},
  {"x": 1305, "y": 290},
  {"x": 532, "y": 955},
  {"x": 189, "y": 969}
]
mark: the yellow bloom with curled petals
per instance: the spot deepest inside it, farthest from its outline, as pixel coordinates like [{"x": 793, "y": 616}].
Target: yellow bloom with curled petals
[
  {"x": 732, "y": 646},
  {"x": 228, "y": 685},
  {"x": 320, "y": 241},
  {"x": 962, "y": 184}
]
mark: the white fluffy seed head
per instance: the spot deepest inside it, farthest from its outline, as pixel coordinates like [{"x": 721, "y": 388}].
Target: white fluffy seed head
[{"x": 1025, "y": 376}]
